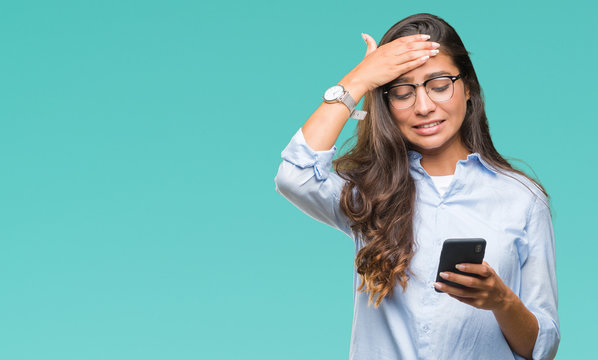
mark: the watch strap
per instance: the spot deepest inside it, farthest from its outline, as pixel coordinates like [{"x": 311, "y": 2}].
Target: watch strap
[
  {"x": 349, "y": 102},
  {"x": 347, "y": 99},
  {"x": 358, "y": 114}
]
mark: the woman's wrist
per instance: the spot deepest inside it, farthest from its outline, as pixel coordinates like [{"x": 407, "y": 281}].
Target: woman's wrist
[
  {"x": 354, "y": 86},
  {"x": 508, "y": 301}
]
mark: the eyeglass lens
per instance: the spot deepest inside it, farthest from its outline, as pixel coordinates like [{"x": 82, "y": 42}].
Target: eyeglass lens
[{"x": 403, "y": 96}]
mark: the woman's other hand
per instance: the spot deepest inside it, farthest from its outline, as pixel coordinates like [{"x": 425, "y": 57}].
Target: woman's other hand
[
  {"x": 387, "y": 62},
  {"x": 488, "y": 292}
]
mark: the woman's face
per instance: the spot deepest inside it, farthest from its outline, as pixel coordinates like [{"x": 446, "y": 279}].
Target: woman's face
[{"x": 450, "y": 113}]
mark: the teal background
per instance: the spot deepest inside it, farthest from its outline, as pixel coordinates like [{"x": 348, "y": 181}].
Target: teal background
[{"x": 139, "y": 141}]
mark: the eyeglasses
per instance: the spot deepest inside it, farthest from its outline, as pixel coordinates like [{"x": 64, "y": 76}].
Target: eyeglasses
[{"x": 439, "y": 89}]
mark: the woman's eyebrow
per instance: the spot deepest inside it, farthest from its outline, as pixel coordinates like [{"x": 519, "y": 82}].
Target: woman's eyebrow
[{"x": 430, "y": 75}]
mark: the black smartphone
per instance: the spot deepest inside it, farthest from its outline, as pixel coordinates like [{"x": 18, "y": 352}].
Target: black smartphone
[{"x": 458, "y": 251}]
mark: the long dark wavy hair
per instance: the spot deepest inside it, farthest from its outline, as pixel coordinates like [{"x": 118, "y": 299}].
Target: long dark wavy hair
[{"x": 379, "y": 193}]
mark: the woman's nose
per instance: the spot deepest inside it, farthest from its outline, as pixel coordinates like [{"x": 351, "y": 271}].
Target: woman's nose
[{"x": 423, "y": 104}]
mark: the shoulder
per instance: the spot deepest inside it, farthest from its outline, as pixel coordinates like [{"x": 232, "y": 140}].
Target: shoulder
[{"x": 518, "y": 187}]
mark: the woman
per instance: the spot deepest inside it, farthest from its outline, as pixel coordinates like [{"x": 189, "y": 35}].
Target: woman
[{"x": 424, "y": 169}]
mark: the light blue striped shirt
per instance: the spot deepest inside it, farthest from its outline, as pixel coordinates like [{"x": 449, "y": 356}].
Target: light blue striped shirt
[{"x": 480, "y": 202}]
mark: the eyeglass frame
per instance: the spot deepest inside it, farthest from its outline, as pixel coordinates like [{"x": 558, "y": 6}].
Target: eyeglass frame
[{"x": 453, "y": 78}]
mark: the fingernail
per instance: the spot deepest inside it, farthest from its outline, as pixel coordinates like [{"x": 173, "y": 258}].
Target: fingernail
[
  {"x": 363, "y": 36},
  {"x": 459, "y": 266},
  {"x": 425, "y": 37},
  {"x": 437, "y": 285},
  {"x": 435, "y": 45},
  {"x": 443, "y": 275}
]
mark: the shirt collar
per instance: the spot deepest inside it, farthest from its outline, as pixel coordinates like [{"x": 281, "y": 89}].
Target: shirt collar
[{"x": 415, "y": 158}]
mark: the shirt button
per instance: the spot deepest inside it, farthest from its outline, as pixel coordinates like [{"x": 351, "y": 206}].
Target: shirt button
[
  {"x": 443, "y": 206},
  {"x": 426, "y": 328}
]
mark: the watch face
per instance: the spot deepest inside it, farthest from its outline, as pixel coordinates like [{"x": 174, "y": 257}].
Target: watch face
[{"x": 333, "y": 93}]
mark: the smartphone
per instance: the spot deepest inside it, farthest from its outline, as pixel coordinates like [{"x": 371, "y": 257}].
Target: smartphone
[{"x": 458, "y": 251}]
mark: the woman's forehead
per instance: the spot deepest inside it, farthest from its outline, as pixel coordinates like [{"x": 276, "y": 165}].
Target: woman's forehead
[{"x": 438, "y": 65}]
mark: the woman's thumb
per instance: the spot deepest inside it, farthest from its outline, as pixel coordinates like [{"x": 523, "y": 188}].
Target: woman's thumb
[{"x": 371, "y": 43}]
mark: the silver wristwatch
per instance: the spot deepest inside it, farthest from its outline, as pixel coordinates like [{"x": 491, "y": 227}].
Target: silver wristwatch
[{"x": 337, "y": 93}]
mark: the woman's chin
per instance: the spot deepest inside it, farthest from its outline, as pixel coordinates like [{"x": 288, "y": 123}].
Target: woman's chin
[{"x": 427, "y": 145}]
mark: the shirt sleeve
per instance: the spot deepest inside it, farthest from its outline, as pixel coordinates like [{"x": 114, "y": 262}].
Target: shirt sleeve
[
  {"x": 538, "y": 279},
  {"x": 304, "y": 178}
]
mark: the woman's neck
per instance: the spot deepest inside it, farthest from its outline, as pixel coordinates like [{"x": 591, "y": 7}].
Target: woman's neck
[{"x": 443, "y": 161}]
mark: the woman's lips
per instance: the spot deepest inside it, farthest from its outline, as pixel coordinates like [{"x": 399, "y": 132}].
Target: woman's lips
[{"x": 429, "y": 130}]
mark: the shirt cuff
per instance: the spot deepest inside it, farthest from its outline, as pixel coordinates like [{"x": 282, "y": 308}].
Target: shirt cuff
[
  {"x": 300, "y": 154},
  {"x": 548, "y": 338}
]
